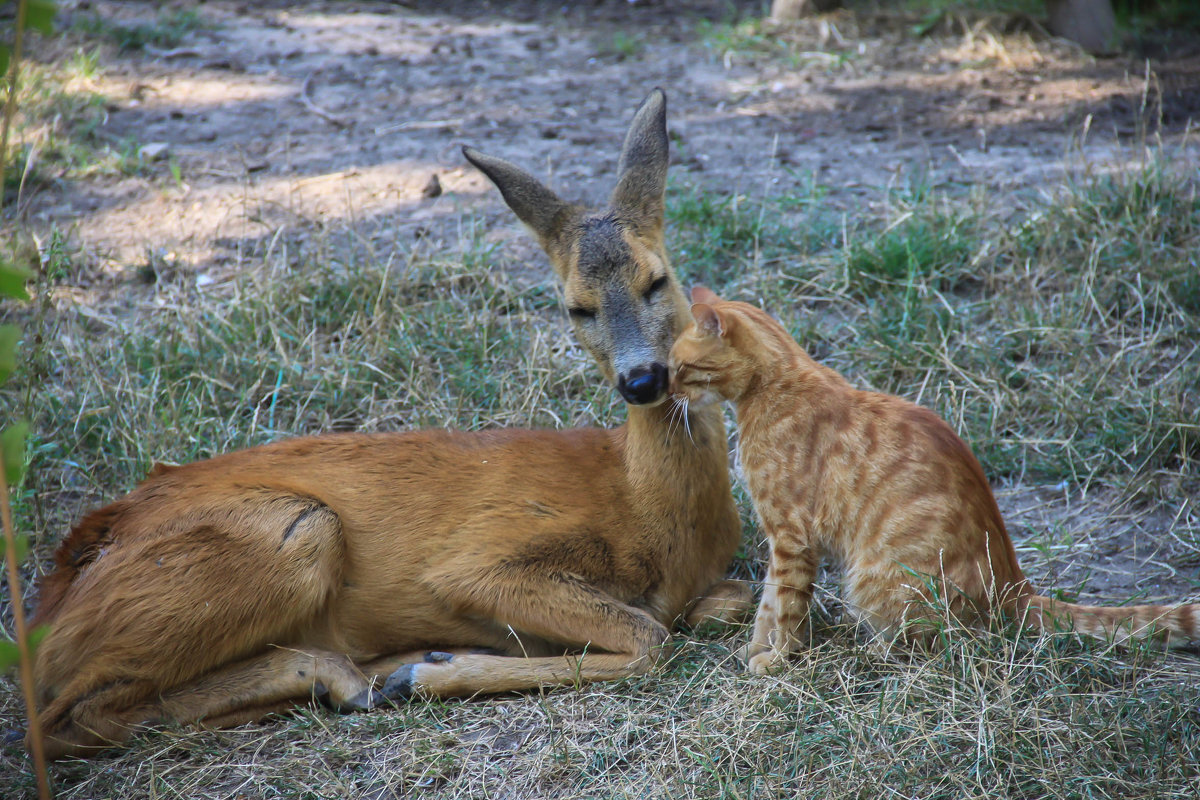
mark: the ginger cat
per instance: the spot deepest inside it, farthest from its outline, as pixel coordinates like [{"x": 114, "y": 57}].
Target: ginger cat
[{"x": 880, "y": 483}]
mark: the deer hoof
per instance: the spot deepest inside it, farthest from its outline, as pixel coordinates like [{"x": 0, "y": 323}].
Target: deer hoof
[
  {"x": 399, "y": 685},
  {"x": 436, "y": 657},
  {"x": 365, "y": 700}
]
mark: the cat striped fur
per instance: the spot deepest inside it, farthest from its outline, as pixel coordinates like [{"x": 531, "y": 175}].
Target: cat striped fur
[{"x": 881, "y": 484}]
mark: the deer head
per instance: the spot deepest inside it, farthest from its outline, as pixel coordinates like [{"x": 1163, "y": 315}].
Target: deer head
[{"x": 625, "y": 302}]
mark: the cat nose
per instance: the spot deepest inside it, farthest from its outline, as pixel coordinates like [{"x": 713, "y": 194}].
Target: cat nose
[{"x": 644, "y": 384}]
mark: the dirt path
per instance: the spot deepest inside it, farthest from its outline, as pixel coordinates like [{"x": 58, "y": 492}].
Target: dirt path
[
  {"x": 324, "y": 111},
  {"x": 283, "y": 116}
]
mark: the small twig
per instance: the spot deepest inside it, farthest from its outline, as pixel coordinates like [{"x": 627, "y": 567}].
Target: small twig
[
  {"x": 14, "y": 579},
  {"x": 22, "y": 636},
  {"x": 10, "y": 105},
  {"x": 333, "y": 119},
  {"x": 330, "y": 176},
  {"x": 418, "y": 125},
  {"x": 177, "y": 52},
  {"x": 30, "y": 161},
  {"x": 219, "y": 173}
]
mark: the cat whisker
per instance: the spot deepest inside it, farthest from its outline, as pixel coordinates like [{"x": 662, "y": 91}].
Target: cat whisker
[
  {"x": 673, "y": 417},
  {"x": 687, "y": 423},
  {"x": 670, "y": 421},
  {"x": 679, "y": 413}
]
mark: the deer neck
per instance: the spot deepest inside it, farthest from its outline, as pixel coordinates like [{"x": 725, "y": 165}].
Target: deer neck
[
  {"x": 678, "y": 467},
  {"x": 679, "y": 488}
]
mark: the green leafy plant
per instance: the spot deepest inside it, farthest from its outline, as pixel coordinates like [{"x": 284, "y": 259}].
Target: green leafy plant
[{"x": 39, "y": 15}]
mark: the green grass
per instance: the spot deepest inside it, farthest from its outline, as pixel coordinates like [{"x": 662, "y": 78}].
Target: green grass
[
  {"x": 60, "y": 125},
  {"x": 620, "y": 46},
  {"x": 1059, "y": 341},
  {"x": 1034, "y": 8},
  {"x": 1142, "y": 25},
  {"x": 717, "y": 237},
  {"x": 60, "y": 129},
  {"x": 753, "y": 40},
  {"x": 342, "y": 344},
  {"x": 714, "y": 233},
  {"x": 1142, "y": 17},
  {"x": 169, "y": 29},
  {"x": 931, "y": 250}
]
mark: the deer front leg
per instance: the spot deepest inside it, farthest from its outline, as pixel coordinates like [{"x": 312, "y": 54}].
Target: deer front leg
[
  {"x": 783, "y": 611},
  {"x": 607, "y": 640},
  {"x": 724, "y": 602}
]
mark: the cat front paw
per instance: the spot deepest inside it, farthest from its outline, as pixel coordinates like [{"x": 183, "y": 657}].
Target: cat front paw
[
  {"x": 750, "y": 652},
  {"x": 767, "y": 663},
  {"x": 762, "y": 659}
]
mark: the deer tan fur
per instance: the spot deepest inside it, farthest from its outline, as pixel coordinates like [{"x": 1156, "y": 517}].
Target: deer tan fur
[
  {"x": 881, "y": 484},
  {"x": 368, "y": 568}
]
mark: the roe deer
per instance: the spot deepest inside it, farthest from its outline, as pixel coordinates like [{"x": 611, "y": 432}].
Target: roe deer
[{"x": 363, "y": 568}]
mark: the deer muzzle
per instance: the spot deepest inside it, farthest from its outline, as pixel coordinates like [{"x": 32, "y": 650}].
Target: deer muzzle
[{"x": 644, "y": 384}]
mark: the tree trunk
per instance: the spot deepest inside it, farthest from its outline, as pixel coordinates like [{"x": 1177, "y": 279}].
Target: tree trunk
[{"x": 1091, "y": 23}]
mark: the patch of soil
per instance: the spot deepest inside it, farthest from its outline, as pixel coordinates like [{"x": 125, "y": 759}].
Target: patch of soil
[
  {"x": 1102, "y": 550},
  {"x": 279, "y": 111}
]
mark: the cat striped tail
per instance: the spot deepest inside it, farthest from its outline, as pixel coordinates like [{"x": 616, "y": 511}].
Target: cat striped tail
[{"x": 1167, "y": 626}]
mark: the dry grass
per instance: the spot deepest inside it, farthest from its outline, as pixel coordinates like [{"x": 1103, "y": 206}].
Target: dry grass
[{"x": 989, "y": 717}]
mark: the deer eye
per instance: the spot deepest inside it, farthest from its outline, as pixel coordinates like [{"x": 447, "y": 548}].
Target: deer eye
[
  {"x": 655, "y": 287},
  {"x": 579, "y": 312}
]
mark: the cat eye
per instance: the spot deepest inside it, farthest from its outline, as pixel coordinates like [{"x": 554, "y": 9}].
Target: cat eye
[
  {"x": 580, "y": 313},
  {"x": 655, "y": 287}
]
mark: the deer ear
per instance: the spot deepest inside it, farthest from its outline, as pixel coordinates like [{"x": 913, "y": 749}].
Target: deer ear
[
  {"x": 708, "y": 319},
  {"x": 537, "y": 206},
  {"x": 702, "y": 294},
  {"x": 642, "y": 170}
]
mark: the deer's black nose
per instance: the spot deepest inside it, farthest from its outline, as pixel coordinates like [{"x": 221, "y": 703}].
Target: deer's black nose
[{"x": 643, "y": 384}]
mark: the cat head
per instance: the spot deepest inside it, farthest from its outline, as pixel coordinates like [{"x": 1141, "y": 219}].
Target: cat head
[{"x": 705, "y": 365}]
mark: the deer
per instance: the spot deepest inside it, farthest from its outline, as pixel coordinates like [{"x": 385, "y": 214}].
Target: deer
[{"x": 363, "y": 569}]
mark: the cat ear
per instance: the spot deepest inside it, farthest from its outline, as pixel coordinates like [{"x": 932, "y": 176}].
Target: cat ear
[
  {"x": 707, "y": 319},
  {"x": 702, "y": 294}
]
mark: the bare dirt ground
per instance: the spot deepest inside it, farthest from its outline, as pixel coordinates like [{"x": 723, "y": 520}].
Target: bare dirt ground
[
  {"x": 326, "y": 109},
  {"x": 285, "y": 115}
]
